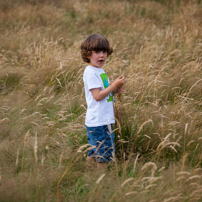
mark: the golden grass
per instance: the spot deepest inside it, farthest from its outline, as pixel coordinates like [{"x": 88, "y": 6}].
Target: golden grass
[{"x": 157, "y": 46}]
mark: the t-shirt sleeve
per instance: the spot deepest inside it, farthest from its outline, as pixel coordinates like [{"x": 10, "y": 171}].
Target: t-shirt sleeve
[{"x": 92, "y": 80}]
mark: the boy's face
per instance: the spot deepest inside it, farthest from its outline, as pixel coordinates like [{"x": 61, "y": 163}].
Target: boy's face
[{"x": 97, "y": 58}]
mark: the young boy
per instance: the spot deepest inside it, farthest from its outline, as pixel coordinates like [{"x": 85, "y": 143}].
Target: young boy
[{"x": 99, "y": 97}]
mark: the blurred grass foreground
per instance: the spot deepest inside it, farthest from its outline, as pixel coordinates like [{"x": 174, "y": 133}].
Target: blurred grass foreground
[{"x": 157, "y": 46}]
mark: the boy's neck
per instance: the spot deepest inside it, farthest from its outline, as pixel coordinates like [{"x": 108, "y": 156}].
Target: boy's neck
[{"x": 94, "y": 66}]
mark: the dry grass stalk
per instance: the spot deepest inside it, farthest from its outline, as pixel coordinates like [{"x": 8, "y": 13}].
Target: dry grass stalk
[
  {"x": 130, "y": 193},
  {"x": 135, "y": 163},
  {"x": 42, "y": 160},
  {"x": 149, "y": 164},
  {"x": 141, "y": 127},
  {"x": 82, "y": 147},
  {"x": 0, "y": 176},
  {"x": 100, "y": 179},
  {"x": 183, "y": 161},
  {"x": 17, "y": 159},
  {"x": 173, "y": 198},
  {"x": 126, "y": 181},
  {"x": 60, "y": 161},
  {"x": 23, "y": 153},
  {"x": 35, "y": 148}
]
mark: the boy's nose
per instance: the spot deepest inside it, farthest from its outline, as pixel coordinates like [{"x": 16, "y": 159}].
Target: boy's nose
[{"x": 101, "y": 53}]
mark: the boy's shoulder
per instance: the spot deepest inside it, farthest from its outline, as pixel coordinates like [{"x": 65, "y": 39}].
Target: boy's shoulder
[{"x": 91, "y": 69}]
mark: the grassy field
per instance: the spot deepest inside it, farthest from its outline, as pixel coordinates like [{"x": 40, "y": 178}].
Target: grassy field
[{"x": 157, "y": 46}]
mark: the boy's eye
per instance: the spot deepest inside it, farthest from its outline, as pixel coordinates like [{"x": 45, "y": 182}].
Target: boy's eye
[{"x": 98, "y": 52}]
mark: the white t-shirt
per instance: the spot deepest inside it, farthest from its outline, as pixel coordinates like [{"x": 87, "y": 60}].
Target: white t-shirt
[{"x": 101, "y": 112}]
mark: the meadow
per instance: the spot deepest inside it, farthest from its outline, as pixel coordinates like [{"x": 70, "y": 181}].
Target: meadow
[{"x": 158, "y": 133}]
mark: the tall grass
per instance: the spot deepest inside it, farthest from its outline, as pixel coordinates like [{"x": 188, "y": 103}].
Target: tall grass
[{"x": 157, "y": 46}]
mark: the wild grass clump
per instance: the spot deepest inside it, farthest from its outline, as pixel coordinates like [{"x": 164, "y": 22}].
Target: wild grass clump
[{"x": 43, "y": 144}]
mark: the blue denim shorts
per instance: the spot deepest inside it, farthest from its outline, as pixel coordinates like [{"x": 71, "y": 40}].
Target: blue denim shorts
[{"x": 103, "y": 140}]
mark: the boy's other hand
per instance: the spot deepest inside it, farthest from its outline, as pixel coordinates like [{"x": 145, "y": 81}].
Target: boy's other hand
[{"x": 120, "y": 90}]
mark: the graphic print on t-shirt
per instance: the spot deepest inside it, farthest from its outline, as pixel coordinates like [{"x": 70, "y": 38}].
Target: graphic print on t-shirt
[{"x": 104, "y": 78}]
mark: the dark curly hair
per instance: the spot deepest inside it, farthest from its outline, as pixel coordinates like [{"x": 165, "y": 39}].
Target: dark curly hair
[{"x": 94, "y": 42}]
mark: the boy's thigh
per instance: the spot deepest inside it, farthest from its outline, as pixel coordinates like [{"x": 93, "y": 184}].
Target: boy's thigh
[{"x": 94, "y": 134}]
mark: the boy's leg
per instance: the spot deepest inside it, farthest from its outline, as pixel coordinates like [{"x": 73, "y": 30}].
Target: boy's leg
[
  {"x": 95, "y": 138},
  {"x": 90, "y": 163},
  {"x": 90, "y": 159},
  {"x": 101, "y": 166},
  {"x": 90, "y": 156},
  {"x": 109, "y": 143},
  {"x": 101, "y": 138},
  {"x": 109, "y": 147}
]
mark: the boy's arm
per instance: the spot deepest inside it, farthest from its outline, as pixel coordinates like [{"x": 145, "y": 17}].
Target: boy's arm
[{"x": 101, "y": 94}]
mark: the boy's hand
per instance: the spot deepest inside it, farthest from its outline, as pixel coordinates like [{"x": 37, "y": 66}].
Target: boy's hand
[
  {"x": 119, "y": 81},
  {"x": 120, "y": 90},
  {"x": 101, "y": 94}
]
